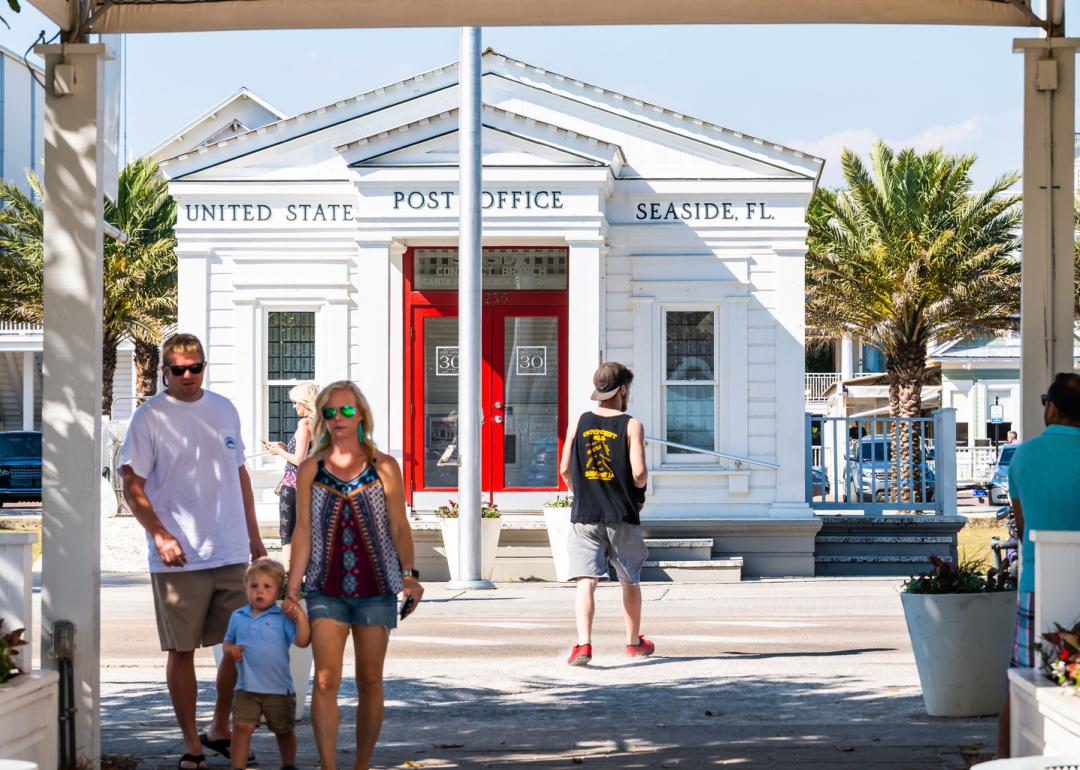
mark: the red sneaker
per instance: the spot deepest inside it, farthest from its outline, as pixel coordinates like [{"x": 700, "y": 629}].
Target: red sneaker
[
  {"x": 642, "y": 649},
  {"x": 580, "y": 655}
]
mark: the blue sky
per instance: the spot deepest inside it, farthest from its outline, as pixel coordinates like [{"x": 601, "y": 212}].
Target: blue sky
[{"x": 816, "y": 88}]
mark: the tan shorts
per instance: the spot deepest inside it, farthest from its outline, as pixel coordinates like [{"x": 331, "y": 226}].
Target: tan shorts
[
  {"x": 193, "y": 608},
  {"x": 279, "y": 710}
]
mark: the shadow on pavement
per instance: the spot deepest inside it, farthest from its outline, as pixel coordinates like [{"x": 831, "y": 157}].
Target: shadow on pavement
[{"x": 777, "y": 720}]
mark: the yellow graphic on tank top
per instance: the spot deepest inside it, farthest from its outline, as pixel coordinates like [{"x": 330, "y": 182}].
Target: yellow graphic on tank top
[{"x": 598, "y": 454}]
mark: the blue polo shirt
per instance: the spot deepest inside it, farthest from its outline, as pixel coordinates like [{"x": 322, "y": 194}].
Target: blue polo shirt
[
  {"x": 266, "y": 640},
  {"x": 1044, "y": 476}
]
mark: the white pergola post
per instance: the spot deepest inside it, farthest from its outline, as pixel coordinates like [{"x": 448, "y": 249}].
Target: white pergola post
[
  {"x": 71, "y": 398},
  {"x": 1046, "y": 298},
  {"x": 469, "y": 313},
  {"x": 847, "y": 358},
  {"x": 28, "y": 390}
]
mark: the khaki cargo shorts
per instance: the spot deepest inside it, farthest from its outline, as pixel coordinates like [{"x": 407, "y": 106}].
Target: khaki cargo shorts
[
  {"x": 279, "y": 710},
  {"x": 193, "y": 608}
]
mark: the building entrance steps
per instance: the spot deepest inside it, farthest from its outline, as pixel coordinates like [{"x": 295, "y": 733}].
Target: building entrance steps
[
  {"x": 689, "y": 560},
  {"x": 883, "y": 545}
]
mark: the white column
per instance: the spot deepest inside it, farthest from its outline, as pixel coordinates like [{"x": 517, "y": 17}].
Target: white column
[
  {"x": 847, "y": 358},
  {"x": 249, "y": 371},
  {"x": 945, "y": 452},
  {"x": 28, "y": 390},
  {"x": 369, "y": 353},
  {"x": 587, "y": 322},
  {"x": 193, "y": 294},
  {"x": 790, "y": 378},
  {"x": 71, "y": 403},
  {"x": 469, "y": 311},
  {"x": 1046, "y": 299},
  {"x": 395, "y": 365},
  {"x": 735, "y": 393},
  {"x": 646, "y": 393}
]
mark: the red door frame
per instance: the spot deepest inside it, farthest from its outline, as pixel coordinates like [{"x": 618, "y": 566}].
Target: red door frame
[{"x": 497, "y": 306}]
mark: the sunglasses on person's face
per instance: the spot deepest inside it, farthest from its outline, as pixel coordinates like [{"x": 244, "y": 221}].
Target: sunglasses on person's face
[
  {"x": 328, "y": 412},
  {"x": 1044, "y": 399},
  {"x": 178, "y": 371}
]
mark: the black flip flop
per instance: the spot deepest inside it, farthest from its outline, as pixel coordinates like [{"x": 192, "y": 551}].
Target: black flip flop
[
  {"x": 221, "y": 746},
  {"x": 198, "y": 760}
]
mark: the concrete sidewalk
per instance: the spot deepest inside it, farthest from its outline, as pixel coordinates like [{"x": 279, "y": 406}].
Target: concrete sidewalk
[{"x": 810, "y": 673}]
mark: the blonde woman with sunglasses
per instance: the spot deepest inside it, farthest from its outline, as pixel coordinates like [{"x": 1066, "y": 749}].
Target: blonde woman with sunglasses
[
  {"x": 354, "y": 547},
  {"x": 303, "y": 398}
]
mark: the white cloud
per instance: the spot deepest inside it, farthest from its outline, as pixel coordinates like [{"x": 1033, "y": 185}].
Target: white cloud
[{"x": 985, "y": 136}]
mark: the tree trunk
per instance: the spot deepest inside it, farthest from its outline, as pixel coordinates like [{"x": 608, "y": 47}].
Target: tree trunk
[
  {"x": 146, "y": 370},
  {"x": 906, "y": 369},
  {"x": 108, "y": 370}
]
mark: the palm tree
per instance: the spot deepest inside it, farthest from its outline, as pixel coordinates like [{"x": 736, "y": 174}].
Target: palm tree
[
  {"x": 139, "y": 276},
  {"x": 910, "y": 254}
]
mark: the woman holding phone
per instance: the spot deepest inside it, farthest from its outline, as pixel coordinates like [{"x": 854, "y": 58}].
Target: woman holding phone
[
  {"x": 302, "y": 397},
  {"x": 354, "y": 546}
]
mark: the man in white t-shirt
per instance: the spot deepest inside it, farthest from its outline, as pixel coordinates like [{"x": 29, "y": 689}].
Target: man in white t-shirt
[{"x": 185, "y": 481}]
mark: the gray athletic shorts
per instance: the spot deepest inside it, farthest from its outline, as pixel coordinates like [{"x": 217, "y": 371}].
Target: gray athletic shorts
[{"x": 593, "y": 546}]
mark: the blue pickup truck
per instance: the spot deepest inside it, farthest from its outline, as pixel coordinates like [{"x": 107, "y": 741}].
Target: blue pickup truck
[{"x": 20, "y": 466}]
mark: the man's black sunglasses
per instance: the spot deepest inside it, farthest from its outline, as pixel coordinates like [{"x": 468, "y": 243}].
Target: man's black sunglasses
[
  {"x": 178, "y": 371},
  {"x": 1045, "y": 398}
]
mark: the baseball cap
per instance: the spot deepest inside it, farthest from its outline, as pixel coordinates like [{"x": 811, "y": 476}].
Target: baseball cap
[{"x": 608, "y": 379}]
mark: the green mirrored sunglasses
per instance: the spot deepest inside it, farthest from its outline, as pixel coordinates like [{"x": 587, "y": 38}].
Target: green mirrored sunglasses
[{"x": 328, "y": 412}]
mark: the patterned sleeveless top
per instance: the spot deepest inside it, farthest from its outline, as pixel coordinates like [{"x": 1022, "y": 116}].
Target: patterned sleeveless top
[
  {"x": 288, "y": 479},
  {"x": 352, "y": 552}
]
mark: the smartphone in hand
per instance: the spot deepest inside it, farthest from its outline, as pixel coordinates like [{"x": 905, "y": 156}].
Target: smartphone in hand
[{"x": 407, "y": 606}]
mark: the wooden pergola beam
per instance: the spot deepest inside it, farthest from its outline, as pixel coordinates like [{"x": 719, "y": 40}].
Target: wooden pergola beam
[{"x": 119, "y": 16}]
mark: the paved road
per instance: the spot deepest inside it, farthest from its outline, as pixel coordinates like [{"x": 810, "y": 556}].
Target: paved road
[{"x": 768, "y": 673}]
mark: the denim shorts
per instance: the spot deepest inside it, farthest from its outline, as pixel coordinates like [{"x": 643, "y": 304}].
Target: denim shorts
[{"x": 368, "y": 611}]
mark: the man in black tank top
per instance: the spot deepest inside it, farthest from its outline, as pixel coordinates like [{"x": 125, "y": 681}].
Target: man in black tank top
[{"x": 603, "y": 465}]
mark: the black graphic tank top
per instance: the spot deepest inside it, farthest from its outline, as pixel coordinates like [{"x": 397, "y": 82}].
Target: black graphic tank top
[{"x": 604, "y": 490}]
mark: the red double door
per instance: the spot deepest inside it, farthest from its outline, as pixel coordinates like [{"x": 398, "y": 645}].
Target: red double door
[{"x": 523, "y": 390}]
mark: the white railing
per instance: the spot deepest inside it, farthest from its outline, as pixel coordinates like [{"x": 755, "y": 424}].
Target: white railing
[
  {"x": 818, "y": 384},
  {"x": 12, "y": 326},
  {"x": 722, "y": 455},
  {"x": 975, "y": 463}
]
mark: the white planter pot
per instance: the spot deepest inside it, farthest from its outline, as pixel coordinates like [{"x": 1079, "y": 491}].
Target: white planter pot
[
  {"x": 16, "y": 588},
  {"x": 557, "y": 521},
  {"x": 1045, "y": 719},
  {"x": 962, "y": 644},
  {"x": 489, "y": 545},
  {"x": 301, "y": 663},
  {"x": 28, "y": 708}
]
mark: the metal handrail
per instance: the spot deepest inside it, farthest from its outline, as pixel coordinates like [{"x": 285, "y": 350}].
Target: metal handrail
[{"x": 735, "y": 458}]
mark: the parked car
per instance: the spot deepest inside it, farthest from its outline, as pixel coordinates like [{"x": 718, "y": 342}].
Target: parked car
[
  {"x": 999, "y": 481},
  {"x": 820, "y": 479},
  {"x": 868, "y": 465},
  {"x": 20, "y": 466}
]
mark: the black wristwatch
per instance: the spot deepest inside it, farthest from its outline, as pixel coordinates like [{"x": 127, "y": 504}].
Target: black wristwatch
[{"x": 413, "y": 573}]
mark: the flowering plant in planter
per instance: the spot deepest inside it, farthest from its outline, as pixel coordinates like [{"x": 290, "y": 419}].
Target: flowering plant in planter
[
  {"x": 1061, "y": 657},
  {"x": 449, "y": 510},
  {"x": 560, "y": 501},
  {"x": 9, "y": 642},
  {"x": 948, "y": 577}
]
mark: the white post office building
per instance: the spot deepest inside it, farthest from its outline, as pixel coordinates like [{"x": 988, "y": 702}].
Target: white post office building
[{"x": 323, "y": 246}]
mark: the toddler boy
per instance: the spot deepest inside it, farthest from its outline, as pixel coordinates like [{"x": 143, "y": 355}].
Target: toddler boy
[{"x": 258, "y": 639}]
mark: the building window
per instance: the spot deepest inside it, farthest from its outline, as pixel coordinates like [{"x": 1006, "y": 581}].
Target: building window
[
  {"x": 290, "y": 359},
  {"x": 690, "y": 381}
]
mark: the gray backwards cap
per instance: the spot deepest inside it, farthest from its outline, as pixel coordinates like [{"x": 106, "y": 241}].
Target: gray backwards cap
[{"x": 608, "y": 379}]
